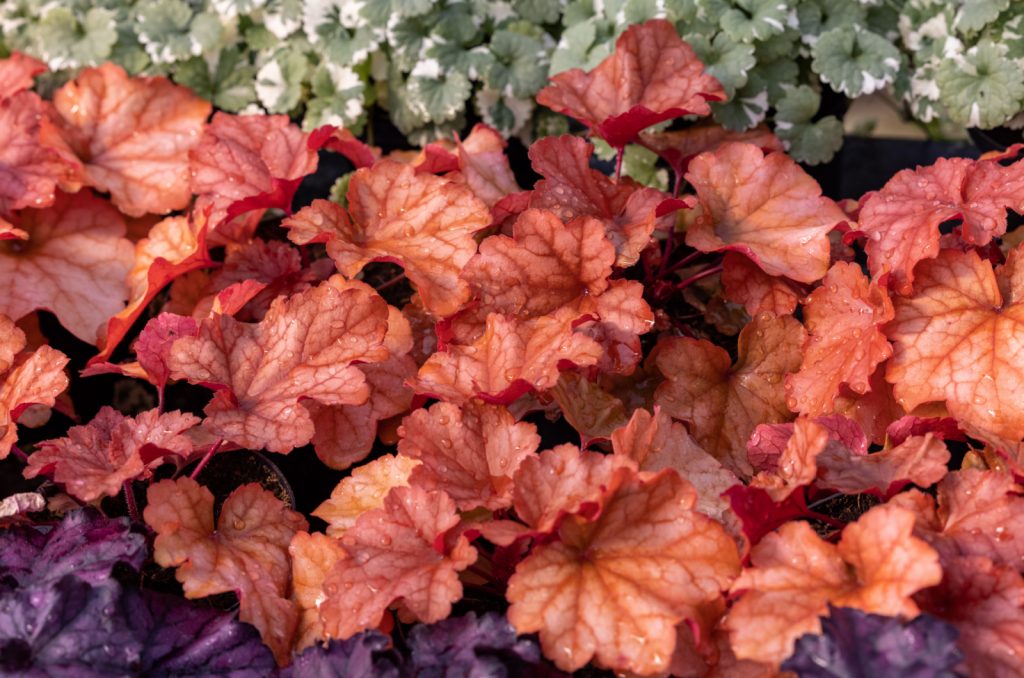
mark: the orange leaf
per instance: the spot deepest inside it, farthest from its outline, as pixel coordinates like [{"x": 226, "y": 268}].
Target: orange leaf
[
  {"x": 615, "y": 588},
  {"x": 133, "y": 135},
  {"x": 424, "y": 577},
  {"x": 484, "y": 166},
  {"x": 303, "y": 348},
  {"x": 420, "y": 221},
  {"x": 246, "y": 552},
  {"x": 95, "y": 460},
  {"x": 797, "y": 465},
  {"x": 765, "y": 206},
  {"x": 723, "y": 403},
  {"x": 745, "y": 283},
  {"x": 39, "y": 379},
  {"x": 18, "y": 72},
  {"x": 313, "y": 556},
  {"x": 652, "y": 76},
  {"x": 955, "y": 340},
  {"x": 73, "y": 264},
  {"x": 921, "y": 460},
  {"x": 844, "y": 318},
  {"x": 470, "y": 452},
  {"x": 364, "y": 490},
  {"x": 30, "y": 170},
  {"x": 12, "y": 341},
  {"x": 794, "y": 575},
  {"x": 678, "y": 147},
  {"x": 570, "y": 189},
  {"x": 902, "y": 220}
]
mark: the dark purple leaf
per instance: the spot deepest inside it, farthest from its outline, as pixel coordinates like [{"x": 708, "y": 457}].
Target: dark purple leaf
[
  {"x": 854, "y": 644},
  {"x": 181, "y": 639},
  {"x": 84, "y": 544},
  {"x": 366, "y": 655},
  {"x": 472, "y": 646},
  {"x": 65, "y": 629}
]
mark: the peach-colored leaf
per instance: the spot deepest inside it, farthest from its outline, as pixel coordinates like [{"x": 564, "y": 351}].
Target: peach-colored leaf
[
  {"x": 794, "y": 575},
  {"x": 745, "y": 283},
  {"x": 397, "y": 553},
  {"x": 765, "y": 206},
  {"x": 592, "y": 411},
  {"x": 956, "y": 338},
  {"x": 678, "y": 147},
  {"x": 652, "y": 76},
  {"x": 245, "y": 551},
  {"x": 12, "y": 341},
  {"x": 921, "y": 460},
  {"x": 73, "y": 264},
  {"x": 844, "y": 318},
  {"x": 484, "y": 165},
  {"x": 614, "y": 589},
  {"x": 18, "y": 72},
  {"x": 364, "y": 490},
  {"x": 723, "y": 403},
  {"x": 96, "y": 459},
  {"x": 471, "y": 452},
  {"x": 39, "y": 379},
  {"x": 797, "y": 465},
  {"x": 30, "y": 170},
  {"x": 422, "y": 222},
  {"x": 313, "y": 556},
  {"x": 133, "y": 135},
  {"x": 303, "y": 348}
]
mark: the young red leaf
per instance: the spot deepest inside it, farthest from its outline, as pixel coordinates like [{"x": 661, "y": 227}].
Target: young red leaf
[
  {"x": 563, "y": 481},
  {"x": 73, "y": 264},
  {"x": 678, "y": 147},
  {"x": 509, "y": 358},
  {"x": 364, "y": 490},
  {"x": 470, "y": 452},
  {"x": 844, "y": 318},
  {"x": 723, "y": 403},
  {"x": 484, "y": 166},
  {"x": 245, "y": 552},
  {"x": 744, "y": 282},
  {"x": 174, "y": 246},
  {"x": 570, "y": 189},
  {"x": 397, "y": 553},
  {"x": 30, "y": 170},
  {"x": 18, "y": 72},
  {"x": 652, "y": 76},
  {"x": 955, "y": 340},
  {"x": 96, "y": 459},
  {"x": 343, "y": 141},
  {"x": 614, "y": 589},
  {"x": 765, "y": 206},
  {"x": 313, "y": 557},
  {"x": 133, "y": 135},
  {"x": 39, "y": 379},
  {"x": 248, "y": 162},
  {"x": 422, "y": 222},
  {"x": 153, "y": 347},
  {"x": 797, "y": 464},
  {"x": 902, "y": 220},
  {"x": 794, "y": 575},
  {"x": 303, "y": 348}
]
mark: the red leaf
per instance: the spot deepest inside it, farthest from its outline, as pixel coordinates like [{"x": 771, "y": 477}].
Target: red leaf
[
  {"x": 765, "y": 206},
  {"x": 484, "y": 166},
  {"x": 678, "y": 147},
  {"x": 343, "y": 141},
  {"x": 18, "y": 72},
  {"x": 652, "y": 76}
]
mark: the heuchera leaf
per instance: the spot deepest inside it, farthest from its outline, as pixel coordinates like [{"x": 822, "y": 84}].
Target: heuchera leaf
[
  {"x": 953, "y": 341},
  {"x": 413, "y": 522},
  {"x": 84, "y": 544},
  {"x": 794, "y": 575},
  {"x": 678, "y": 147},
  {"x": 364, "y": 490},
  {"x": 852, "y": 643},
  {"x": 570, "y": 188},
  {"x": 744, "y": 282},
  {"x": 422, "y": 222},
  {"x": 12, "y": 341},
  {"x": 313, "y": 556},
  {"x": 246, "y": 551},
  {"x": 133, "y": 136},
  {"x": 723, "y": 402},
  {"x": 364, "y": 654},
  {"x": 765, "y": 206},
  {"x": 613, "y": 589},
  {"x": 844, "y": 318},
  {"x": 18, "y": 73},
  {"x": 484, "y": 166},
  {"x": 39, "y": 379},
  {"x": 97, "y": 459},
  {"x": 303, "y": 348},
  {"x": 652, "y": 76},
  {"x": 153, "y": 347},
  {"x": 921, "y": 460},
  {"x": 30, "y": 170},
  {"x": 83, "y": 237},
  {"x": 473, "y": 646},
  {"x": 248, "y": 162},
  {"x": 902, "y": 220},
  {"x": 471, "y": 452},
  {"x": 796, "y": 465}
]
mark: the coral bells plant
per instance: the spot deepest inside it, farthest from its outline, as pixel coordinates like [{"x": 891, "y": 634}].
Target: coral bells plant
[{"x": 735, "y": 428}]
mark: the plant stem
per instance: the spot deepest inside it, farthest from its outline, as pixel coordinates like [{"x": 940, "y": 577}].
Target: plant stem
[
  {"x": 19, "y": 454},
  {"x": 619, "y": 155},
  {"x": 694, "y": 278},
  {"x": 823, "y": 500},
  {"x": 129, "y": 500},
  {"x": 689, "y": 258},
  {"x": 206, "y": 459},
  {"x": 394, "y": 281}
]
